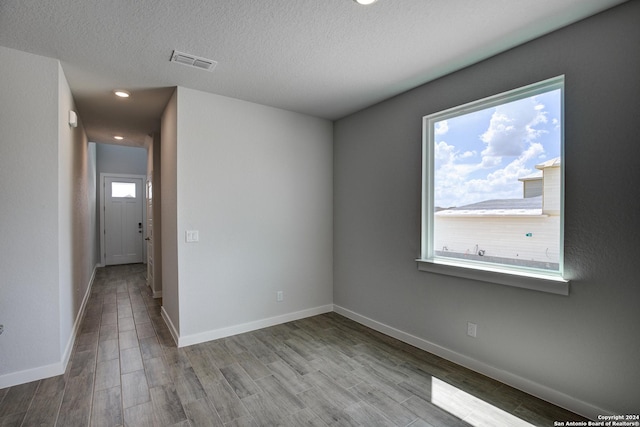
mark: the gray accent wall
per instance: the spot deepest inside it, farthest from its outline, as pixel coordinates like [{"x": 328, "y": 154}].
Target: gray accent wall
[{"x": 580, "y": 351}]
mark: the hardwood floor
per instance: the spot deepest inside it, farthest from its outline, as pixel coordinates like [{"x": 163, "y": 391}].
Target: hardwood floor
[{"x": 324, "y": 370}]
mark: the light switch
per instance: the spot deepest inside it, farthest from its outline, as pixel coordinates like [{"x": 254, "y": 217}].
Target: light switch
[{"x": 191, "y": 236}]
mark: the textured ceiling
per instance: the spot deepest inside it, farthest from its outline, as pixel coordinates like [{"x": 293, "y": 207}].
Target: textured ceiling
[{"x": 325, "y": 58}]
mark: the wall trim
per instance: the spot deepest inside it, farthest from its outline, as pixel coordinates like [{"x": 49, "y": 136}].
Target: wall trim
[
  {"x": 156, "y": 294},
  {"x": 538, "y": 390},
  {"x": 251, "y": 326},
  {"x": 28, "y": 375},
  {"x": 58, "y": 368},
  {"x": 76, "y": 324},
  {"x": 169, "y": 323}
]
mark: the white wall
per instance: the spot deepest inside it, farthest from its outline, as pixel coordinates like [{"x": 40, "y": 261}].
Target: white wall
[
  {"x": 78, "y": 239},
  {"x": 121, "y": 159},
  {"x": 503, "y": 237},
  {"x": 531, "y": 188},
  {"x": 579, "y": 351},
  {"x": 169, "y": 214},
  {"x": 29, "y": 212},
  {"x": 92, "y": 238},
  {"x": 551, "y": 191},
  {"x": 154, "y": 168},
  {"x": 256, "y": 182},
  {"x": 46, "y": 258}
]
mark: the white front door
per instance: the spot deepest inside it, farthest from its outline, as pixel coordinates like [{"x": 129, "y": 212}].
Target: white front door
[{"x": 123, "y": 198}]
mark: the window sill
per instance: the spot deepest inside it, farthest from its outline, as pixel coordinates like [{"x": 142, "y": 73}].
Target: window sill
[{"x": 527, "y": 280}]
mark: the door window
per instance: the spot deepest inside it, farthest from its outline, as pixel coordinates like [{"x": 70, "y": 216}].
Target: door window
[{"x": 123, "y": 189}]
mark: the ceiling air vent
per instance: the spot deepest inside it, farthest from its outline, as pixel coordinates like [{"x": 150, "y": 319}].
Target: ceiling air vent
[{"x": 193, "y": 61}]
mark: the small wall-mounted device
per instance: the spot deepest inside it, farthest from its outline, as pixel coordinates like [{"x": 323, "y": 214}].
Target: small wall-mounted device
[
  {"x": 73, "y": 119},
  {"x": 191, "y": 236}
]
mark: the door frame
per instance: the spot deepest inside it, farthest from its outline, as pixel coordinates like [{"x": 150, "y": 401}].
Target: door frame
[
  {"x": 103, "y": 176},
  {"x": 149, "y": 239}
]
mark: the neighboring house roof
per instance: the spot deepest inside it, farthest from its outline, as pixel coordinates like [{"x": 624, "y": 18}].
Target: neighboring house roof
[
  {"x": 533, "y": 177},
  {"x": 528, "y": 206},
  {"x": 549, "y": 163},
  {"x": 531, "y": 206}
]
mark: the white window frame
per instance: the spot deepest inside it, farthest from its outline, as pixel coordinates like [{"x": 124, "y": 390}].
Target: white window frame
[{"x": 522, "y": 277}]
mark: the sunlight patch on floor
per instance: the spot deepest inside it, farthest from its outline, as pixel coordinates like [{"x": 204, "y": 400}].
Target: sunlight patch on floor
[{"x": 471, "y": 409}]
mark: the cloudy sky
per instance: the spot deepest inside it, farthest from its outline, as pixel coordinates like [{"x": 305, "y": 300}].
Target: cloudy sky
[{"x": 480, "y": 156}]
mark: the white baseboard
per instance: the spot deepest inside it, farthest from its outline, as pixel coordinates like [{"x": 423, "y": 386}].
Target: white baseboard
[
  {"x": 543, "y": 392},
  {"x": 251, "y": 326},
  {"x": 156, "y": 294},
  {"x": 28, "y": 375},
  {"x": 169, "y": 323},
  {"x": 76, "y": 325},
  {"x": 58, "y": 368}
]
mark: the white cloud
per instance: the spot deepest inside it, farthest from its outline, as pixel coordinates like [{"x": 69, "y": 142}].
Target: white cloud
[
  {"x": 442, "y": 127},
  {"x": 512, "y": 144},
  {"x": 443, "y": 152},
  {"x": 451, "y": 176},
  {"x": 455, "y": 189},
  {"x": 505, "y": 181},
  {"x": 489, "y": 162},
  {"x": 512, "y": 128}
]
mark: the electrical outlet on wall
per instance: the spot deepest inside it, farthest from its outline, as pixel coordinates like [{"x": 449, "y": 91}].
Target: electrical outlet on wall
[
  {"x": 472, "y": 329},
  {"x": 280, "y": 296}
]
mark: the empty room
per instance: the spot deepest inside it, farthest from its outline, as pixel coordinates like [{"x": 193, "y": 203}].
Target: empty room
[{"x": 350, "y": 212}]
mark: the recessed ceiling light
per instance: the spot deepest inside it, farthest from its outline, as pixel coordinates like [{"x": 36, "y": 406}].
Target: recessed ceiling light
[
  {"x": 118, "y": 137},
  {"x": 122, "y": 93},
  {"x": 365, "y": 2}
]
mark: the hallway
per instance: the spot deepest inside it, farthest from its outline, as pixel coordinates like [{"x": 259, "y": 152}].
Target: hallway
[{"x": 121, "y": 328}]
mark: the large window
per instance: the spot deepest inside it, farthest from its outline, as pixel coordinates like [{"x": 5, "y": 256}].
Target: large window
[{"x": 493, "y": 189}]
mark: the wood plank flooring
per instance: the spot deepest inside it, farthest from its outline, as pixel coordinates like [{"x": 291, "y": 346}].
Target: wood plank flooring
[{"x": 320, "y": 371}]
